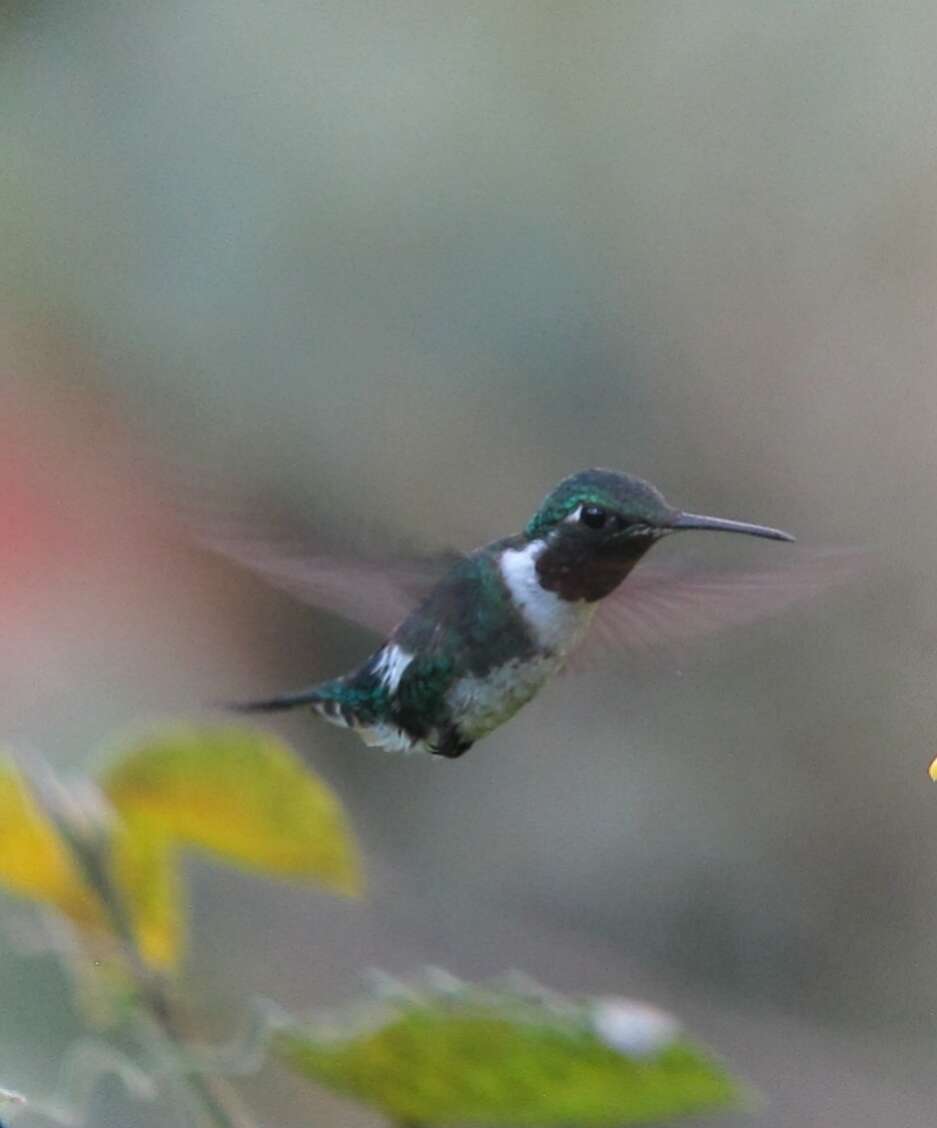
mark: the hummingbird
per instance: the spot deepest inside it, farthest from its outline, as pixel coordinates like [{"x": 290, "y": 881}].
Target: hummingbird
[{"x": 468, "y": 644}]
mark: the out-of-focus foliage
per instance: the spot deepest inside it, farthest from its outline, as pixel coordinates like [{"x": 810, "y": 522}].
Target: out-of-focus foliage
[
  {"x": 239, "y": 793},
  {"x": 436, "y": 1054},
  {"x": 235, "y": 792},
  {"x": 34, "y": 861},
  {"x": 9, "y": 1097},
  {"x": 145, "y": 869},
  {"x": 492, "y": 1055}
]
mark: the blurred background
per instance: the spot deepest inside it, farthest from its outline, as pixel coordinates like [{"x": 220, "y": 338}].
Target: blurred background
[{"x": 396, "y": 270}]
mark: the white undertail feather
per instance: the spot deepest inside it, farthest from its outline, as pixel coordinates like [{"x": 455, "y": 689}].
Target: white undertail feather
[
  {"x": 375, "y": 736},
  {"x": 388, "y": 737},
  {"x": 390, "y": 664}
]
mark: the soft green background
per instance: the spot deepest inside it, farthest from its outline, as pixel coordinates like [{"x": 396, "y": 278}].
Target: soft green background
[{"x": 397, "y": 268}]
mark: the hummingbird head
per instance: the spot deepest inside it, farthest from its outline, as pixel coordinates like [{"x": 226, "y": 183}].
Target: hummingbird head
[{"x": 597, "y": 524}]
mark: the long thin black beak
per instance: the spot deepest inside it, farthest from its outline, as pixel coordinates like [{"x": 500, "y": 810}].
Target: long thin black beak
[{"x": 720, "y": 525}]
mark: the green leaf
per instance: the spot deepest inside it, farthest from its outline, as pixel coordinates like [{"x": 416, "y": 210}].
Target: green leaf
[
  {"x": 34, "y": 861},
  {"x": 477, "y": 1055},
  {"x": 239, "y": 793}
]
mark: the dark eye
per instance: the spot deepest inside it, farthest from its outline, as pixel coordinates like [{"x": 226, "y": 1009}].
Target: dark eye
[{"x": 593, "y": 516}]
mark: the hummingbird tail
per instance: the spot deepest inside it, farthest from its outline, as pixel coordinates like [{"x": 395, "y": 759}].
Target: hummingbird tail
[{"x": 312, "y": 696}]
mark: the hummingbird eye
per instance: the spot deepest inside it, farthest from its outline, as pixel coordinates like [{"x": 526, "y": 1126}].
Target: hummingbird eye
[{"x": 593, "y": 516}]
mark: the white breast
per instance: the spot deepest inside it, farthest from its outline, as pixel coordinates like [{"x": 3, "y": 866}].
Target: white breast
[{"x": 557, "y": 624}]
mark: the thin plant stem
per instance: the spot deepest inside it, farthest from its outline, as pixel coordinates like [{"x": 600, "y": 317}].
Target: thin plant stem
[{"x": 214, "y": 1101}]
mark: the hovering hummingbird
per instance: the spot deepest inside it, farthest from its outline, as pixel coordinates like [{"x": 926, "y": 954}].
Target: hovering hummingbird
[{"x": 478, "y": 642}]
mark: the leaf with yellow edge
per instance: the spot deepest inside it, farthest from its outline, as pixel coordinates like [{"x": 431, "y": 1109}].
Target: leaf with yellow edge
[
  {"x": 34, "y": 861},
  {"x": 483, "y": 1054},
  {"x": 237, "y": 792}
]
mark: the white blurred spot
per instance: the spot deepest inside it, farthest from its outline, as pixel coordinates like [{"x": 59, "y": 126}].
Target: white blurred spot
[{"x": 633, "y": 1028}]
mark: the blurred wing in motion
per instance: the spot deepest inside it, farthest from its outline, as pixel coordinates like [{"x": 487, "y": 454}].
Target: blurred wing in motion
[
  {"x": 373, "y": 594},
  {"x": 661, "y": 605}
]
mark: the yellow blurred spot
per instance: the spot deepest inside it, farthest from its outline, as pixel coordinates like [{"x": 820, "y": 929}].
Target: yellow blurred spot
[
  {"x": 932, "y": 771},
  {"x": 144, "y": 869},
  {"x": 241, "y": 794},
  {"x": 34, "y": 861}
]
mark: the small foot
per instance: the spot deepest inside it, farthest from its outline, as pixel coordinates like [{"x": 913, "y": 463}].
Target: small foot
[{"x": 451, "y": 745}]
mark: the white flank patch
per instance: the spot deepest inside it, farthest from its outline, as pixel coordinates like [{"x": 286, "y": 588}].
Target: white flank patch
[
  {"x": 391, "y": 665},
  {"x": 557, "y": 623}
]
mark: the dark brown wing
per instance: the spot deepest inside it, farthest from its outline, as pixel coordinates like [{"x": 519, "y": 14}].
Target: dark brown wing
[
  {"x": 374, "y": 594},
  {"x": 661, "y": 605}
]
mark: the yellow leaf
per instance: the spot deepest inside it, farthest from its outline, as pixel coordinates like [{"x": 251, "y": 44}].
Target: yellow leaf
[
  {"x": 145, "y": 872},
  {"x": 34, "y": 861},
  {"x": 240, "y": 793},
  {"x": 932, "y": 771}
]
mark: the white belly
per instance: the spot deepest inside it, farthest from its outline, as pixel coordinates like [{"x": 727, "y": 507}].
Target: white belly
[{"x": 480, "y": 704}]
